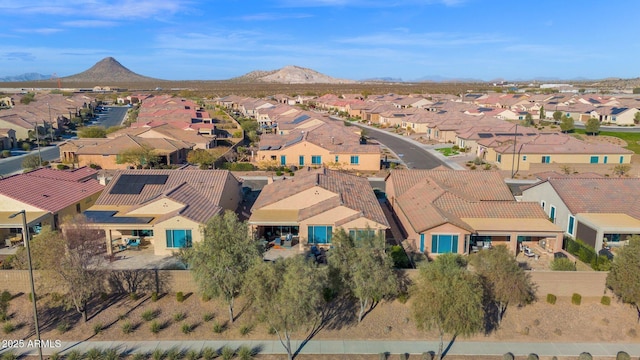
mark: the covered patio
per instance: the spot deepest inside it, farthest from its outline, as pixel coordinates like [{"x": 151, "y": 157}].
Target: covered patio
[
  {"x": 514, "y": 233},
  {"x": 11, "y": 228},
  {"x": 276, "y": 227}
]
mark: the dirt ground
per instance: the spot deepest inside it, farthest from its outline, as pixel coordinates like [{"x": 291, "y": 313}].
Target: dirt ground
[{"x": 540, "y": 321}]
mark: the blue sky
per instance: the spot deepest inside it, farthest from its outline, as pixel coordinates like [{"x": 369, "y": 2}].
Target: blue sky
[{"x": 352, "y": 39}]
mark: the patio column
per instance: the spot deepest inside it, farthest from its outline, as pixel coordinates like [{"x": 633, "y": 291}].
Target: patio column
[
  {"x": 513, "y": 243},
  {"x": 107, "y": 233}
]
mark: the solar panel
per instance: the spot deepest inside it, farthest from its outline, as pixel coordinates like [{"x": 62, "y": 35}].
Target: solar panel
[
  {"x": 106, "y": 217},
  {"x": 485, "y": 136},
  {"x": 616, "y": 111},
  {"x": 300, "y": 119},
  {"x": 291, "y": 142},
  {"x": 133, "y": 184}
]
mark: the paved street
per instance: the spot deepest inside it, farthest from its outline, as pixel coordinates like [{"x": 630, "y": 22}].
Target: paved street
[
  {"x": 349, "y": 347},
  {"x": 13, "y": 165},
  {"x": 111, "y": 117}
]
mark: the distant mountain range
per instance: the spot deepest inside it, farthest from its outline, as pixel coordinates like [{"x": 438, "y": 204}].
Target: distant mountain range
[
  {"x": 109, "y": 71},
  {"x": 25, "y": 77}
]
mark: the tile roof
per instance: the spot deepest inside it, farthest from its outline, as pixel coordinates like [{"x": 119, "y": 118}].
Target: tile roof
[
  {"x": 550, "y": 143},
  {"x": 49, "y": 190},
  {"x": 351, "y": 191},
  {"x": 429, "y": 198},
  {"x": 599, "y": 195},
  {"x": 80, "y": 174}
]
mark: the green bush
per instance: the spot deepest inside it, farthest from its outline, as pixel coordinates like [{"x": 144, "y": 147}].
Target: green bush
[
  {"x": 187, "y": 328},
  {"x": 26, "y": 146},
  {"x": 63, "y": 327},
  {"x": 149, "y": 315},
  {"x": 73, "y": 355},
  {"x": 562, "y": 264},
  {"x": 585, "y": 356},
  {"x": 404, "y": 356},
  {"x": 584, "y": 252},
  {"x": 192, "y": 355},
  {"x": 154, "y": 296},
  {"x": 403, "y": 297},
  {"x": 576, "y": 299},
  {"x": 208, "y": 316},
  {"x": 551, "y": 299},
  {"x": 508, "y": 356},
  {"x": 245, "y": 329},
  {"x": 127, "y": 327},
  {"x": 622, "y": 355},
  {"x": 239, "y": 166},
  {"x": 133, "y": 296},
  {"x": 601, "y": 263},
  {"x": 227, "y": 353},
  {"x": 155, "y": 327},
  {"x": 605, "y": 300},
  {"x": 219, "y": 327},
  {"x": 179, "y": 316},
  {"x": 158, "y": 354},
  {"x": 209, "y": 353},
  {"x": 8, "y": 328},
  {"x": 429, "y": 355},
  {"x": 93, "y": 354},
  {"x": 532, "y": 356},
  {"x": 97, "y": 328},
  {"x": 245, "y": 353},
  {"x": 278, "y": 173},
  {"x": 180, "y": 296},
  {"x": 62, "y": 167},
  {"x": 55, "y": 356},
  {"x": 9, "y": 356},
  {"x": 6, "y": 153},
  {"x": 400, "y": 259}
]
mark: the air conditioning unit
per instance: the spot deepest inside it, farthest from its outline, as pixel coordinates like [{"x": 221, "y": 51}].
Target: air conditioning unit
[{"x": 542, "y": 243}]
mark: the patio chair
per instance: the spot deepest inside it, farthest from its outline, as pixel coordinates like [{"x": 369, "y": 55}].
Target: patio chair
[
  {"x": 8, "y": 243},
  {"x": 134, "y": 244},
  {"x": 528, "y": 252}
]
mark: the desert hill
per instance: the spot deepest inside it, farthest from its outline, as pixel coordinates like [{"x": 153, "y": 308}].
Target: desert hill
[
  {"x": 107, "y": 70},
  {"x": 290, "y": 75}
]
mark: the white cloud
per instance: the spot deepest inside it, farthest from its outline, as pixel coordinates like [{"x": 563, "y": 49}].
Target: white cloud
[
  {"x": 367, "y": 3},
  {"x": 42, "y": 31},
  {"x": 118, "y": 9},
  {"x": 89, "y": 23},
  {"x": 273, "y": 16},
  {"x": 403, "y": 38}
]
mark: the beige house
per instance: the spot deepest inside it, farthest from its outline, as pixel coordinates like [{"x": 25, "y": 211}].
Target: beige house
[
  {"x": 47, "y": 196},
  {"x": 546, "y": 148},
  {"x": 105, "y": 153},
  {"x": 448, "y": 211},
  {"x": 620, "y": 116},
  {"x": 329, "y": 145},
  {"x": 163, "y": 207},
  {"x": 313, "y": 204}
]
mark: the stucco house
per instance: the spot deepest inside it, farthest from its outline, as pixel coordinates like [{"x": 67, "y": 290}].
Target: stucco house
[
  {"x": 313, "y": 204},
  {"x": 47, "y": 196},
  {"x": 622, "y": 116},
  {"x": 520, "y": 151},
  {"x": 165, "y": 207},
  {"x": 326, "y": 144},
  {"x": 448, "y": 211},
  {"x": 595, "y": 210}
]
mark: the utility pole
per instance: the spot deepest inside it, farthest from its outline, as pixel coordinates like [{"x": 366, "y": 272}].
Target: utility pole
[
  {"x": 37, "y": 133},
  {"x": 513, "y": 158},
  {"x": 50, "y": 123}
]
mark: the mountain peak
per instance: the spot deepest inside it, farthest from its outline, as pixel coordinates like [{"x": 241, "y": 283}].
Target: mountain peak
[
  {"x": 107, "y": 70},
  {"x": 291, "y": 74}
]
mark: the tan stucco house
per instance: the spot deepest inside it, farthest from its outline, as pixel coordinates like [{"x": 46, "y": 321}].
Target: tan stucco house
[
  {"x": 313, "y": 204},
  {"x": 448, "y": 211},
  {"x": 165, "y": 207}
]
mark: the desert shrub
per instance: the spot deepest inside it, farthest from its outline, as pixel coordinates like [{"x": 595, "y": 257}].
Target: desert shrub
[
  {"x": 208, "y": 316},
  {"x": 62, "y": 167},
  {"x": 127, "y": 327},
  {"x": 93, "y": 354},
  {"x": 576, "y": 299},
  {"x": 192, "y": 355},
  {"x": 55, "y": 356},
  {"x": 472, "y": 167},
  {"x": 219, "y": 327},
  {"x": 157, "y": 354},
  {"x": 209, "y": 353},
  {"x": 278, "y": 173},
  {"x": 73, "y": 355},
  {"x": 154, "y": 296},
  {"x": 403, "y": 297},
  {"x": 155, "y": 327},
  {"x": 227, "y": 353},
  {"x": 404, "y": 356},
  {"x": 139, "y": 356},
  {"x": 551, "y": 299},
  {"x": 271, "y": 331},
  {"x": 429, "y": 355},
  {"x": 6, "y": 153},
  {"x": 133, "y": 296},
  {"x": 621, "y": 355},
  {"x": 245, "y": 329},
  {"x": 584, "y": 252},
  {"x": 585, "y": 356},
  {"x": 508, "y": 356},
  {"x": 9, "y": 356},
  {"x": 187, "y": 328},
  {"x": 180, "y": 296},
  {"x": 400, "y": 259},
  {"x": 8, "y": 328},
  {"x": 173, "y": 354},
  {"x": 605, "y": 300},
  {"x": 179, "y": 316},
  {"x": 382, "y": 356},
  {"x": 601, "y": 263},
  {"x": 487, "y": 166},
  {"x": 97, "y": 328},
  {"x": 63, "y": 327},
  {"x": 477, "y": 161},
  {"x": 532, "y": 356},
  {"x": 245, "y": 353},
  {"x": 562, "y": 264},
  {"x": 149, "y": 315}
]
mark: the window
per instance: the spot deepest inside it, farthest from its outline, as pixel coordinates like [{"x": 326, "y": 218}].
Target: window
[
  {"x": 445, "y": 243},
  {"x": 499, "y": 158},
  {"x": 570, "y": 225},
  {"x": 552, "y": 214},
  {"x": 78, "y": 209},
  {"x": 316, "y": 159},
  {"x": 421, "y": 243},
  {"x": 543, "y": 204},
  {"x": 524, "y": 157},
  {"x": 283, "y": 160},
  {"x": 613, "y": 118},
  {"x": 143, "y": 233},
  {"x": 593, "y": 160},
  {"x": 178, "y": 238},
  {"x": 273, "y": 157},
  {"x": 546, "y": 159},
  {"x": 359, "y": 234},
  {"x": 605, "y": 159},
  {"x": 621, "y": 159},
  {"x": 337, "y": 158},
  {"x": 319, "y": 234},
  {"x": 301, "y": 160},
  {"x": 355, "y": 160}
]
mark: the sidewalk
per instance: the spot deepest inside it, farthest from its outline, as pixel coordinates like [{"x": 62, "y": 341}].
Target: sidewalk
[{"x": 342, "y": 347}]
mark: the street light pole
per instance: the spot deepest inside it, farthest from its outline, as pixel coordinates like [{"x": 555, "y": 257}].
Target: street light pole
[
  {"x": 25, "y": 237},
  {"x": 50, "y": 123}
]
